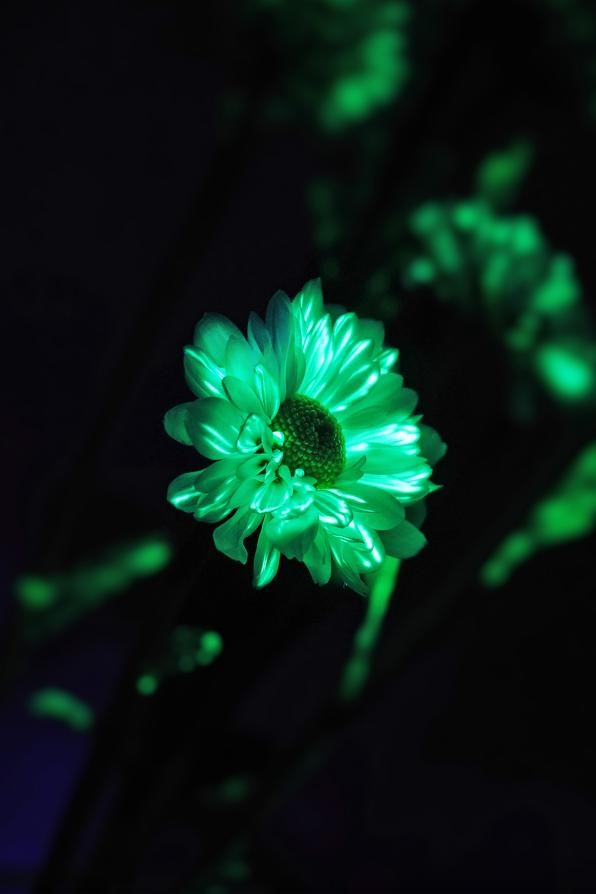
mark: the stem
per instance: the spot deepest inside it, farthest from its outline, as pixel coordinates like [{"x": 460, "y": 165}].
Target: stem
[
  {"x": 120, "y": 718},
  {"x": 357, "y": 669}
]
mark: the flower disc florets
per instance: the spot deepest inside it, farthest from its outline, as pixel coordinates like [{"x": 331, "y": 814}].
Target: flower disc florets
[{"x": 312, "y": 438}]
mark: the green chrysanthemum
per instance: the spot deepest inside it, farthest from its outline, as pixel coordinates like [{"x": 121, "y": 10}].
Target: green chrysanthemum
[{"x": 312, "y": 437}]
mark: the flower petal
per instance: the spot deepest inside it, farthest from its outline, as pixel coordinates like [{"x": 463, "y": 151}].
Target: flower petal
[
  {"x": 356, "y": 550},
  {"x": 432, "y": 447},
  {"x": 214, "y": 425},
  {"x": 353, "y": 470},
  {"x": 331, "y": 351},
  {"x": 376, "y": 508},
  {"x": 253, "y": 466},
  {"x": 416, "y": 513},
  {"x": 212, "y": 333},
  {"x": 307, "y": 306},
  {"x": 240, "y": 358},
  {"x": 408, "y": 484},
  {"x": 266, "y": 559},
  {"x": 217, "y": 485},
  {"x": 241, "y": 394},
  {"x": 373, "y": 330},
  {"x": 229, "y": 537},
  {"x": 318, "y": 354},
  {"x": 355, "y": 374},
  {"x": 182, "y": 492},
  {"x": 333, "y": 508},
  {"x": 271, "y": 496},
  {"x": 387, "y": 401},
  {"x": 203, "y": 375},
  {"x": 403, "y": 541},
  {"x": 393, "y": 461},
  {"x": 258, "y": 334},
  {"x": 302, "y": 498},
  {"x": 246, "y": 493},
  {"x": 388, "y": 359},
  {"x": 280, "y": 324},
  {"x": 345, "y": 335},
  {"x": 294, "y": 536},
  {"x": 216, "y": 474},
  {"x": 214, "y": 506},
  {"x": 253, "y": 434},
  {"x": 175, "y": 423},
  {"x": 279, "y": 321},
  {"x": 267, "y": 390},
  {"x": 318, "y": 559}
]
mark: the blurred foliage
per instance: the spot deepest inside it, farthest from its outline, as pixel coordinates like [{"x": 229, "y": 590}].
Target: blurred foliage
[
  {"x": 502, "y": 267},
  {"x": 343, "y": 60},
  {"x": 232, "y": 874},
  {"x": 187, "y": 649},
  {"x": 483, "y": 260},
  {"x": 567, "y": 513},
  {"x": 501, "y": 174},
  {"x": 230, "y": 791},
  {"x": 58, "y": 704},
  {"x": 333, "y": 205},
  {"x": 52, "y": 602}
]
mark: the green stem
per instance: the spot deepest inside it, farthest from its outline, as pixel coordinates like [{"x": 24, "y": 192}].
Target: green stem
[{"x": 357, "y": 669}]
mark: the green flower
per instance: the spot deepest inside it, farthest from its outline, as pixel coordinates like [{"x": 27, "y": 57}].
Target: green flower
[{"x": 312, "y": 439}]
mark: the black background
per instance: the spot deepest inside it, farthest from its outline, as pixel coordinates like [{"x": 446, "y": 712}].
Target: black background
[{"x": 134, "y": 201}]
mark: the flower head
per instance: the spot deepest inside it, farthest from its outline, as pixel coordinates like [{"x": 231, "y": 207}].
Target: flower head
[{"x": 312, "y": 439}]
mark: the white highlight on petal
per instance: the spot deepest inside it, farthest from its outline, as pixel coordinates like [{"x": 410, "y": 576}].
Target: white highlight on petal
[
  {"x": 213, "y": 425},
  {"x": 252, "y": 434},
  {"x": 388, "y": 359},
  {"x": 266, "y": 560},
  {"x": 203, "y": 375},
  {"x": 267, "y": 390}
]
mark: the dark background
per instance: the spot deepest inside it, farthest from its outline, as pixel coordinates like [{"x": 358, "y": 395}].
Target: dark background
[{"x": 146, "y": 181}]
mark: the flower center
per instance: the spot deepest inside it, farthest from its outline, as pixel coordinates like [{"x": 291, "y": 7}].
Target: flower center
[{"x": 313, "y": 439}]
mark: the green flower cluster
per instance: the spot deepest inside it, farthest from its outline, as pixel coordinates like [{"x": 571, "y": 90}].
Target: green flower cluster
[{"x": 503, "y": 267}]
